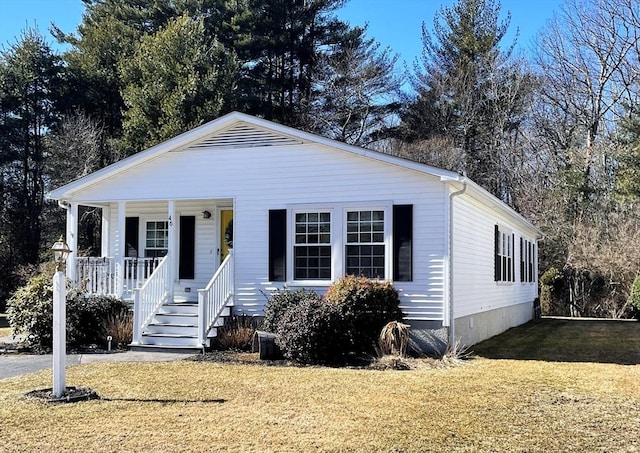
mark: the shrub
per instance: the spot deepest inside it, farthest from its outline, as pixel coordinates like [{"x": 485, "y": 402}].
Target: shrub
[
  {"x": 312, "y": 332},
  {"x": 279, "y": 303},
  {"x": 366, "y": 307},
  {"x": 237, "y": 333},
  {"x": 86, "y": 317},
  {"x": 31, "y": 314},
  {"x": 634, "y": 296}
]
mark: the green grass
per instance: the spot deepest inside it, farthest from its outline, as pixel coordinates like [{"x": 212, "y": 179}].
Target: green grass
[
  {"x": 515, "y": 404},
  {"x": 567, "y": 340}
]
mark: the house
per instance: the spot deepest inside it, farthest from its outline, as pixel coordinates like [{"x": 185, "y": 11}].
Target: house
[{"x": 214, "y": 220}]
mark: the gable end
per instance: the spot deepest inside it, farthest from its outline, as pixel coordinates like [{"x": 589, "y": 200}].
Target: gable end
[{"x": 244, "y": 135}]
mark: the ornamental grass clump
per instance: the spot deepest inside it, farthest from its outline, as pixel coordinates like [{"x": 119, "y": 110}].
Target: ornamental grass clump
[
  {"x": 236, "y": 334},
  {"x": 394, "y": 339}
]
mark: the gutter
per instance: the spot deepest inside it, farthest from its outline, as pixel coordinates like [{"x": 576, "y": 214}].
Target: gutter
[{"x": 452, "y": 337}]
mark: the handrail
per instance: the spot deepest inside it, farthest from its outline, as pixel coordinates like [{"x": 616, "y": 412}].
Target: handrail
[
  {"x": 150, "y": 297},
  {"x": 214, "y": 297}
]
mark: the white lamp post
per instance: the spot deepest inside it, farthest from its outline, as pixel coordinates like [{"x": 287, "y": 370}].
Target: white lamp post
[{"x": 60, "y": 252}]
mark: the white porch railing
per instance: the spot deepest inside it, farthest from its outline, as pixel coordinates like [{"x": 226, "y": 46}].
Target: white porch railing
[
  {"x": 148, "y": 298},
  {"x": 214, "y": 297},
  {"x": 137, "y": 271},
  {"x": 100, "y": 275},
  {"x": 97, "y": 275}
]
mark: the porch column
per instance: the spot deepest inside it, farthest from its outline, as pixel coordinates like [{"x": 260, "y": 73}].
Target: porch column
[
  {"x": 172, "y": 247},
  {"x": 106, "y": 216},
  {"x": 72, "y": 240},
  {"x": 121, "y": 247}
]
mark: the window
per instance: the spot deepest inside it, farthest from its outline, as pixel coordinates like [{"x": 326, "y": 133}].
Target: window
[
  {"x": 319, "y": 244},
  {"x": 365, "y": 246},
  {"x": 503, "y": 258},
  {"x": 157, "y": 239},
  {"x": 312, "y": 246},
  {"x": 527, "y": 260}
]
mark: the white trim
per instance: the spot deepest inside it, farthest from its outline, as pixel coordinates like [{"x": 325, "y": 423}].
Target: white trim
[
  {"x": 219, "y": 125},
  {"x": 338, "y": 212}
]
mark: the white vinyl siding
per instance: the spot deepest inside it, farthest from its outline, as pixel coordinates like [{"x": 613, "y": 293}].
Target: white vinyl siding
[
  {"x": 259, "y": 179},
  {"x": 475, "y": 288}
]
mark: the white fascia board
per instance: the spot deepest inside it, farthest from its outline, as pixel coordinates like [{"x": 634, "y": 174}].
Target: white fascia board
[
  {"x": 183, "y": 140},
  {"x": 481, "y": 194},
  {"x": 193, "y": 136}
]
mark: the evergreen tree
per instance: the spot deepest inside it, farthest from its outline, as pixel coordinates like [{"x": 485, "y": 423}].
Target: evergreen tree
[
  {"x": 31, "y": 89},
  {"x": 279, "y": 43},
  {"x": 177, "y": 79},
  {"x": 357, "y": 91},
  {"x": 469, "y": 89}
]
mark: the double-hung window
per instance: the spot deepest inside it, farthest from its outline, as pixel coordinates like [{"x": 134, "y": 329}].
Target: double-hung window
[
  {"x": 365, "y": 243},
  {"x": 312, "y": 246},
  {"x": 157, "y": 239},
  {"x": 527, "y": 260},
  {"x": 503, "y": 258},
  {"x": 319, "y": 244}
]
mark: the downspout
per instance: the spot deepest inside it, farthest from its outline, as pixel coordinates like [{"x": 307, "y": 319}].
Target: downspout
[{"x": 452, "y": 337}]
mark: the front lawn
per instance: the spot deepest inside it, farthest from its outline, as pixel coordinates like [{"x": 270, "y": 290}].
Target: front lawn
[{"x": 483, "y": 405}]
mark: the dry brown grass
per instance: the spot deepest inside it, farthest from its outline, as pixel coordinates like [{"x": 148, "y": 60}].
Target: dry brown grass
[
  {"x": 6, "y": 331},
  {"x": 561, "y": 388},
  {"x": 484, "y": 405}
]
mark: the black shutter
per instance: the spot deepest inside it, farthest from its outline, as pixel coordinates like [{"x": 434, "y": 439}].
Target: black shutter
[
  {"x": 532, "y": 253},
  {"x": 513, "y": 258},
  {"x": 131, "y": 233},
  {"x": 187, "y": 260},
  {"x": 522, "y": 262},
  {"x": 403, "y": 243},
  {"x": 496, "y": 256},
  {"x": 278, "y": 245}
]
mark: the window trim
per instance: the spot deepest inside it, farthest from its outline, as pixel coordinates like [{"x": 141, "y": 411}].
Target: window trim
[
  {"x": 143, "y": 228},
  {"x": 500, "y": 233},
  {"x": 387, "y": 212},
  {"x": 528, "y": 261},
  {"x": 338, "y": 243}
]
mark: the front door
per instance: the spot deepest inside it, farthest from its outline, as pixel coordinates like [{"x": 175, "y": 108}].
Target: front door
[{"x": 226, "y": 232}]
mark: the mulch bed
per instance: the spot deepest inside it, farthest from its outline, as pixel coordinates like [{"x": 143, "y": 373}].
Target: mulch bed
[{"x": 70, "y": 395}]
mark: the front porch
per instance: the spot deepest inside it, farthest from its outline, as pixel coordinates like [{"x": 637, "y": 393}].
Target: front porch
[{"x": 169, "y": 259}]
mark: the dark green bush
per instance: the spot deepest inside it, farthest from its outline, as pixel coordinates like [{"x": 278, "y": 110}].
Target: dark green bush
[
  {"x": 312, "y": 331},
  {"x": 30, "y": 312},
  {"x": 279, "y": 303},
  {"x": 366, "y": 307}
]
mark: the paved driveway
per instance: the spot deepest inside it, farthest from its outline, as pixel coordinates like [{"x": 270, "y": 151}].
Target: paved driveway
[{"x": 18, "y": 364}]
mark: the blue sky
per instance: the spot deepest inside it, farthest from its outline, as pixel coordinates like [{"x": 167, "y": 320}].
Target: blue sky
[{"x": 394, "y": 23}]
